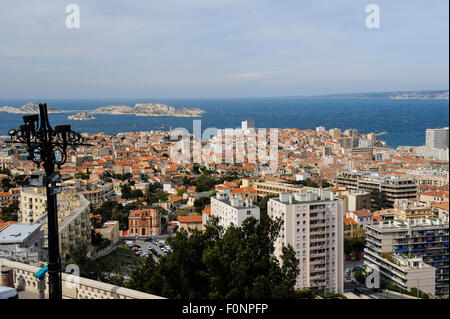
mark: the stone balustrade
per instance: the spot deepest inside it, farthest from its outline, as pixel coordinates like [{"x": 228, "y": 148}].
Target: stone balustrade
[{"x": 72, "y": 287}]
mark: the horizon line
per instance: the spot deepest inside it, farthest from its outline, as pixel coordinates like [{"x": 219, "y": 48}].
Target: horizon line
[{"x": 233, "y": 97}]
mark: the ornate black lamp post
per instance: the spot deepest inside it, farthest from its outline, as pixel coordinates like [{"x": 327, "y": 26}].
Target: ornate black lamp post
[{"x": 48, "y": 146}]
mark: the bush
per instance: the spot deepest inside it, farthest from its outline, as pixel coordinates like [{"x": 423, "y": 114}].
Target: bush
[
  {"x": 359, "y": 276},
  {"x": 331, "y": 295},
  {"x": 413, "y": 291}
]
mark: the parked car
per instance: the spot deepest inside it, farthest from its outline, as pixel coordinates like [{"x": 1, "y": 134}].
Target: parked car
[
  {"x": 143, "y": 255},
  {"x": 8, "y": 293},
  {"x": 136, "y": 246},
  {"x": 129, "y": 243},
  {"x": 135, "y": 249}
]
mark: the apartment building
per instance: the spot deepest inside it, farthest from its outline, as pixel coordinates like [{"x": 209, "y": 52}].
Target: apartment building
[
  {"x": 74, "y": 225},
  {"x": 362, "y": 217},
  {"x": 99, "y": 195},
  {"x": 437, "y": 138},
  {"x": 358, "y": 200},
  {"x": 406, "y": 209},
  {"x": 393, "y": 186},
  {"x": 313, "y": 225},
  {"x": 425, "y": 238},
  {"x": 406, "y": 272},
  {"x": 190, "y": 222},
  {"x": 25, "y": 241},
  {"x": 231, "y": 209},
  {"x": 110, "y": 230},
  {"x": 265, "y": 188},
  {"x": 247, "y": 125}
]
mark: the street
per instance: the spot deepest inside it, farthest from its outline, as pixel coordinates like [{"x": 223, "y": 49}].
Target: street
[
  {"x": 350, "y": 286},
  {"x": 145, "y": 244}
]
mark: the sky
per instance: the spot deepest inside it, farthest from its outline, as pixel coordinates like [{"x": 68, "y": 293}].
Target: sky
[{"x": 221, "y": 48}]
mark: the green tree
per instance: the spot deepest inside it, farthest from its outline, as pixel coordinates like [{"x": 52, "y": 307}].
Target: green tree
[
  {"x": 354, "y": 244},
  {"x": 88, "y": 267},
  {"x": 181, "y": 191},
  {"x": 359, "y": 276},
  {"x": 262, "y": 204},
  {"x": 205, "y": 183},
  {"x": 213, "y": 263},
  {"x": 21, "y": 180},
  {"x": 200, "y": 203},
  {"x": 9, "y": 213},
  {"x": 180, "y": 212},
  {"x": 6, "y": 183}
]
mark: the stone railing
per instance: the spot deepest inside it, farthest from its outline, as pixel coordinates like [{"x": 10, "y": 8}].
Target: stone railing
[{"x": 72, "y": 287}]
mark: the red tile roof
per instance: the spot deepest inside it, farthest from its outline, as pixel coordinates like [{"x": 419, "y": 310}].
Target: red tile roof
[{"x": 190, "y": 219}]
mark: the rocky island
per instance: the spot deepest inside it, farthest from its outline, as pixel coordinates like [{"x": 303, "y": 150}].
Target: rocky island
[
  {"x": 150, "y": 109},
  {"x": 144, "y": 109},
  {"x": 82, "y": 116},
  {"x": 29, "y": 108}
]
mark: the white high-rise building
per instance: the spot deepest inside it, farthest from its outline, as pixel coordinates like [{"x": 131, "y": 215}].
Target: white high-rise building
[
  {"x": 313, "y": 226},
  {"x": 320, "y": 129},
  {"x": 335, "y": 133},
  {"x": 247, "y": 124},
  {"x": 436, "y": 144},
  {"x": 232, "y": 209},
  {"x": 437, "y": 138}
]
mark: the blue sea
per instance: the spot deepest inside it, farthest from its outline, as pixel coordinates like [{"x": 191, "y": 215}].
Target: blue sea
[{"x": 404, "y": 121}]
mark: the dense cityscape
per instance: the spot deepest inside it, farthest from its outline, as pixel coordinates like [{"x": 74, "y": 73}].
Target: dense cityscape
[
  {"x": 224, "y": 158},
  {"x": 333, "y": 210}
]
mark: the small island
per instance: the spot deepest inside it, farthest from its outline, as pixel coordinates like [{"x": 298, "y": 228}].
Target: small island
[
  {"x": 144, "y": 109},
  {"x": 81, "y": 116},
  {"x": 150, "y": 109},
  {"x": 29, "y": 108}
]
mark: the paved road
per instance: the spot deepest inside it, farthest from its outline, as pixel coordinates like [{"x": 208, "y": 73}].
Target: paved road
[{"x": 350, "y": 286}]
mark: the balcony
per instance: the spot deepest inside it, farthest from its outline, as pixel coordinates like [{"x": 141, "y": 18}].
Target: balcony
[
  {"x": 315, "y": 233},
  {"x": 315, "y": 240},
  {"x": 26, "y": 284}
]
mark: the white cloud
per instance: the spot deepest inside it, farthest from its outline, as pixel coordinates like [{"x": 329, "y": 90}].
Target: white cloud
[{"x": 255, "y": 75}]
